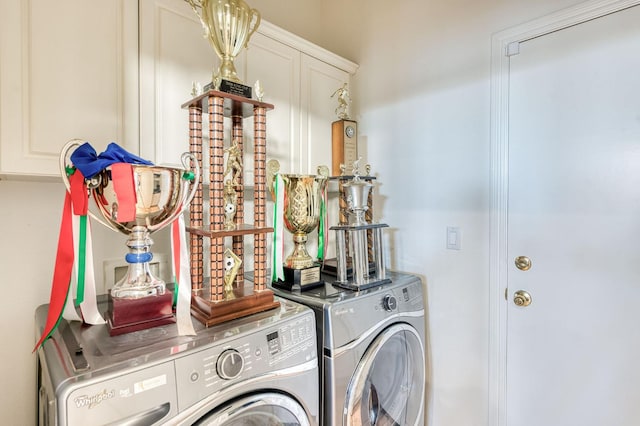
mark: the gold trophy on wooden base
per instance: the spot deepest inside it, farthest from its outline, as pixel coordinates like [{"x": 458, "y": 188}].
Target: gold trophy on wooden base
[
  {"x": 228, "y": 25},
  {"x": 301, "y": 197}
]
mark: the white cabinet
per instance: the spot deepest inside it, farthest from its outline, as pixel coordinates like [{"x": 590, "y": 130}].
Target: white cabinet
[
  {"x": 68, "y": 69},
  {"x": 173, "y": 55},
  {"x": 298, "y": 79},
  {"x": 120, "y": 70},
  {"x": 318, "y": 81}
]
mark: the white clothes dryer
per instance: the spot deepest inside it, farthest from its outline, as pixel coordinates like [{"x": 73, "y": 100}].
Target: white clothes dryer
[
  {"x": 372, "y": 346},
  {"x": 257, "y": 370}
]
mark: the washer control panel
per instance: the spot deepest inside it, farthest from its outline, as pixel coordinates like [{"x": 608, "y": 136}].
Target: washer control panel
[{"x": 242, "y": 354}]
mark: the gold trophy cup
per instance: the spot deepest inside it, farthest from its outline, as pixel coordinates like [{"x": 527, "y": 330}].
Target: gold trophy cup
[
  {"x": 228, "y": 25},
  {"x": 302, "y": 200}
]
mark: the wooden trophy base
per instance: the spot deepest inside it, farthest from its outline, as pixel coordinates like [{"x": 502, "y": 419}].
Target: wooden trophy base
[
  {"x": 128, "y": 315},
  {"x": 241, "y": 302},
  {"x": 300, "y": 279}
]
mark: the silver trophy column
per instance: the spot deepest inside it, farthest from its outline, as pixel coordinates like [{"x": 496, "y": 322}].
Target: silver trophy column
[{"x": 363, "y": 276}]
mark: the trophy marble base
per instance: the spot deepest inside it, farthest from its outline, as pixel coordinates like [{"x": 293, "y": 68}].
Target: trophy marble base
[
  {"x": 330, "y": 267},
  {"x": 300, "y": 279},
  {"x": 242, "y": 301},
  {"x": 231, "y": 87},
  {"x": 129, "y": 315}
]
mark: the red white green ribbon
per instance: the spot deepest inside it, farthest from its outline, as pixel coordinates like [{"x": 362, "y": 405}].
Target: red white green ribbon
[
  {"x": 277, "y": 269},
  {"x": 182, "y": 274},
  {"x": 61, "y": 273},
  {"x": 84, "y": 266},
  {"x": 75, "y": 206},
  {"x": 84, "y": 286},
  {"x": 323, "y": 227}
]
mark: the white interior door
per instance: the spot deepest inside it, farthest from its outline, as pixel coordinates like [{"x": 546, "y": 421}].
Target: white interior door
[{"x": 573, "y": 354}]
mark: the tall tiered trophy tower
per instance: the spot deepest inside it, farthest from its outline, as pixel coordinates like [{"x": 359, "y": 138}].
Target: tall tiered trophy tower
[{"x": 226, "y": 295}]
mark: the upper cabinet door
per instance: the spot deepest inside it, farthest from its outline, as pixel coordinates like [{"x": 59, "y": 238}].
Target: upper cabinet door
[
  {"x": 277, "y": 67},
  {"x": 174, "y": 54},
  {"x": 318, "y": 82},
  {"x": 298, "y": 78},
  {"x": 68, "y": 69}
]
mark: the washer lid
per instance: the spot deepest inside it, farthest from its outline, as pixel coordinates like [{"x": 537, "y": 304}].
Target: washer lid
[
  {"x": 388, "y": 385},
  {"x": 262, "y": 409}
]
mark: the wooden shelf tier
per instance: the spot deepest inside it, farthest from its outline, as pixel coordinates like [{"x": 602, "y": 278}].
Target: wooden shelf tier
[
  {"x": 243, "y": 229},
  {"x": 211, "y": 304},
  {"x": 232, "y": 105}
]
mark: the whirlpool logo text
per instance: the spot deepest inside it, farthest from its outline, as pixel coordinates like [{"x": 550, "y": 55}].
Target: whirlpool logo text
[{"x": 93, "y": 400}]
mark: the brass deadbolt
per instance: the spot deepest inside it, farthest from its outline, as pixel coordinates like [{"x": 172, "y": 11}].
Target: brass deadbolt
[{"x": 523, "y": 263}]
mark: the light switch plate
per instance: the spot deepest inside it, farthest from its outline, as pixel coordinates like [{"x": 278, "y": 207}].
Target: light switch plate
[{"x": 454, "y": 237}]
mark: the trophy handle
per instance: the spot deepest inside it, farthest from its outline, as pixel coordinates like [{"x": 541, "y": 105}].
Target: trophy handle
[
  {"x": 92, "y": 183},
  {"x": 255, "y": 13},
  {"x": 193, "y": 160},
  {"x": 195, "y": 4},
  {"x": 187, "y": 197},
  {"x": 64, "y": 154}
]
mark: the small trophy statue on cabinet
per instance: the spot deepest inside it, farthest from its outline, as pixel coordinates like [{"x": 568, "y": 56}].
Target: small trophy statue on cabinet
[{"x": 344, "y": 133}]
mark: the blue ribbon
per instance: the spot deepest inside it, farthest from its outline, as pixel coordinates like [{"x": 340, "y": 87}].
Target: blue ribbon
[{"x": 85, "y": 158}]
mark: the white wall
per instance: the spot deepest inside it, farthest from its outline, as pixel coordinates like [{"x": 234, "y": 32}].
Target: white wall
[
  {"x": 423, "y": 91},
  {"x": 422, "y": 98},
  {"x": 422, "y": 102}
]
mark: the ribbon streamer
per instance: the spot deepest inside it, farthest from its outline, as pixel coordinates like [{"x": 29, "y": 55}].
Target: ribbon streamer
[
  {"x": 61, "y": 273},
  {"x": 182, "y": 274},
  {"x": 322, "y": 227},
  {"x": 277, "y": 269},
  {"x": 89, "y": 306},
  {"x": 124, "y": 187}
]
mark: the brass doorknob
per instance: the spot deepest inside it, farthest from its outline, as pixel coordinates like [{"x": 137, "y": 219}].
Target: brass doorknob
[
  {"x": 523, "y": 263},
  {"x": 522, "y": 298}
]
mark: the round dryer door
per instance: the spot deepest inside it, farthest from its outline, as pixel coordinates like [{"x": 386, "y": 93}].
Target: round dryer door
[
  {"x": 388, "y": 385},
  {"x": 265, "y": 409}
]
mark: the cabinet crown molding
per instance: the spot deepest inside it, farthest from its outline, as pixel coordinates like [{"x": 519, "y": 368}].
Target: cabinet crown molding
[{"x": 273, "y": 31}]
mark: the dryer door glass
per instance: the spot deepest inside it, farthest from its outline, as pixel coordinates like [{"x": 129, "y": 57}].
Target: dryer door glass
[
  {"x": 264, "y": 409},
  {"x": 388, "y": 385}
]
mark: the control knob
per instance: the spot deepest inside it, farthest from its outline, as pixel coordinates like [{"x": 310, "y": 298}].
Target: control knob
[
  {"x": 389, "y": 303},
  {"x": 230, "y": 364}
]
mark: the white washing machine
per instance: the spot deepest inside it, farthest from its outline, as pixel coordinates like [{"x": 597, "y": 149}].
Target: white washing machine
[
  {"x": 257, "y": 370},
  {"x": 372, "y": 346}
]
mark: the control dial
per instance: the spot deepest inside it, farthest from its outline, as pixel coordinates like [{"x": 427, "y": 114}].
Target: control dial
[
  {"x": 230, "y": 364},
  {"x": 389, "y": 303}
]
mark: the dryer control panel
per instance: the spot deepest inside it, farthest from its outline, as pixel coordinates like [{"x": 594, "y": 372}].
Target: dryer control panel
[
  {"x": 353, "y": 316},
  {"x": 262, "y": 352}
]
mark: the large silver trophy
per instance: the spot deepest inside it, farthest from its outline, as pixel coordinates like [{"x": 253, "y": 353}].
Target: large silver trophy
[
  {"x": 140, "y": 299},
  {"x": 359, "y": 244},
  {"x": 302, "y": 198},
  {"x": 228, "y": 25}
]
